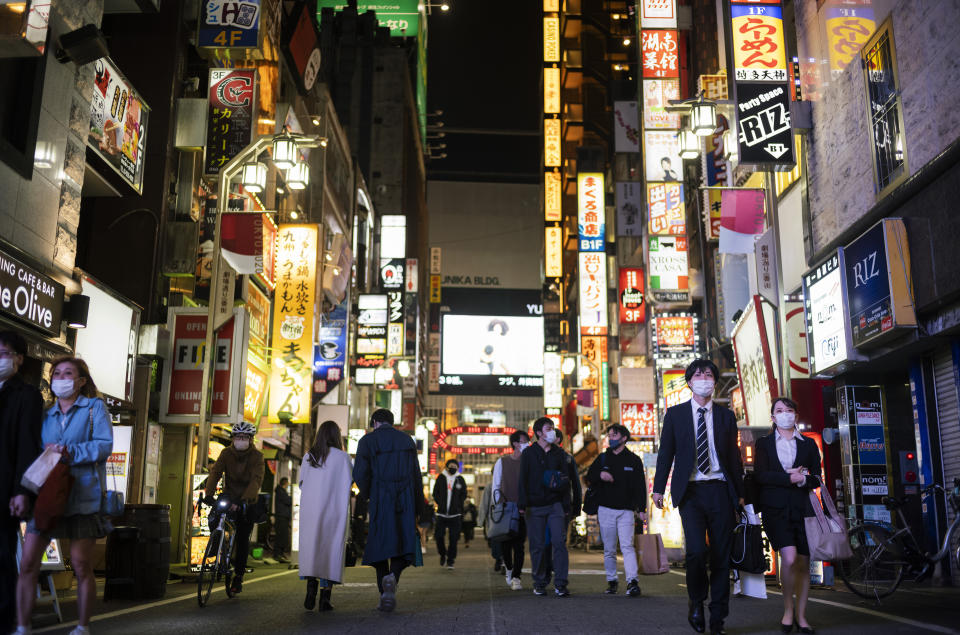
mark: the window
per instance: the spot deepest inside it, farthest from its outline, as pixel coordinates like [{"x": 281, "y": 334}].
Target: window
[
  {"x": 20, "y": 111},
  {"x": 885, "y": 112}
]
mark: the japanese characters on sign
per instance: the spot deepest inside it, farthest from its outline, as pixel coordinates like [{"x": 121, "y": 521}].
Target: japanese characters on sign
[
  {"x": 657, "y": 94},
  {"x": 675, "y": 335},
  {"x": 754, "y": 347},
  {"x": 848, "y": 29},
  {"x": 551, "y": 143},
  {"x": 667, "y": 211},
  {"x": 229, "y": 24},
  {"x": 553, "y": 252},
  {"x": 662, "y": 155},
  {"x": 713, "y": 212},
  {"x": 402, "y": 17},
  {"x": 254, "y": 391},
  {"x": 551, "y": 39},
  {"x": 714, "y": 87},
  {"x": 658, "y": 14},
  {"x": 629, "y": 199},
  {"x": 552, "y": 196},
  {"x": 639, "y": 418},
  {"x": 551, "y": 90},
  {"x": 659, "y": 51},
  {"x": 391, "y": 273},
  {"x": 827, "y": 334},
  {"x": 590, "y": 211},
  {"x": 675, "y": 389},
  {"x": 232, "y": 97},
  {"x": 593, "y": 292},
  {"x": 759, "y": 53},
  {"x": 626, "y": 126},
  {"x": 291, "y": 379},
  {"x": 371, "y": 344},
  {"x": 594, "y": 348},
  {"x": 118, "y": 123},
  {"x": 632, "y": 306}
]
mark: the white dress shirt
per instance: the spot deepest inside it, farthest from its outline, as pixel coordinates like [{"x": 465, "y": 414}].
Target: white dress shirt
[
  {"x": 715, "y": 471},
  {"x": 787, "y": 451}
]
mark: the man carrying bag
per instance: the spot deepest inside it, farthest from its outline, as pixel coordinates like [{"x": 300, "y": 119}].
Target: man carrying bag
[{"x": 505, "y": 524}]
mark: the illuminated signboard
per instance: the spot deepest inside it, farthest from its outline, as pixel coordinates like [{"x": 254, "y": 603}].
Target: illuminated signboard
[
  {"x": 552, "y": 381},
  {"x": 658, "y": 14},
  {"x": 402, "y": 17},
  {"x": 551, "y": 39},
  {"x": 667, "y": 210},
  {"x": 657, "y": 94},
  {"x": 590, "y": 211},
  {"x": 848, "y": 29},
  {"x": 118, "y": 123},
  {"x": 228, "y": 24},
  {"x": 667, "y": 267},
  {"x": 660, "y": 53},
  {"x": 759, "y": 53},
  {"x": 639, "y": 418},
  {"x": 593, "y": 293},
  {"x": 553, "y": 252},
  {"x": 754, "y": 346},
  {"x": 675, "y": 389},
  {"x": 632, "y": 305},
  {"x": 483, "y": 440},
  {"x": 828, "y": 335},
  {"x": 551, "y": 90},
  {"x": 675, "y": 336},
  {"x": 552, "y": 197},
  {"x": 551, "y": 143},
  {"x": 291, "y": 380},
  {"x": 231, "y": 117}
]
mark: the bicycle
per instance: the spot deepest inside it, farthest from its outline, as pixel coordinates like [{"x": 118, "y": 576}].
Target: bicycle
[
  {"x": 219, "y": 553},
  {"x": 882, "y": 558}
]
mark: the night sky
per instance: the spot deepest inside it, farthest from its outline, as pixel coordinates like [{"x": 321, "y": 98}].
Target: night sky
[{"x": 484, "y": 73}]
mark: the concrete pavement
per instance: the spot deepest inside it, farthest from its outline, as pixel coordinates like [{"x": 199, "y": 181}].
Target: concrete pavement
[{"x": 473, "y": 599}]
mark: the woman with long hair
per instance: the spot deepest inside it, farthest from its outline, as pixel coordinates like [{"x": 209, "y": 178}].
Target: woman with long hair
[
  {"x": 325, "y": 480},
  {"x": 78, "y": 426},
  {"x": 787, "y": 467}
]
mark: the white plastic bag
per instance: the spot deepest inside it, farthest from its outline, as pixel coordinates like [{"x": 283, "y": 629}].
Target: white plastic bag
[{"x": 36, "y": 475}]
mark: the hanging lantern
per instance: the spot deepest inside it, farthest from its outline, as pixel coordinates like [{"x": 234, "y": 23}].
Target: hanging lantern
[
  {"x": 254, "y": 176},
  {"x": 298, "y": 176},
  {"x": 689, "y": 144},
  {"x": 703, "y": 117},
  {"x": 284, "y": 152}
]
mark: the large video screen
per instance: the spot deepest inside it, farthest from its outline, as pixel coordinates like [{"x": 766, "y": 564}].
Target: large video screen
[{"x": 492, "y": 348}]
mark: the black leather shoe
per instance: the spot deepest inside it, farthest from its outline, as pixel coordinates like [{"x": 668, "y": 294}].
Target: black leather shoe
[
  {"x": 806, "y": 629},
  {"x": 786, "y": 628},
  {"x": 696, "y": 618},
  {"x": 717, "y": 629},
  {"x": 311, "y": 598}
]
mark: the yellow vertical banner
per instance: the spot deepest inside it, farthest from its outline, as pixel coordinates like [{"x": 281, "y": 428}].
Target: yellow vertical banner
[{"x": 291, "y": 368}]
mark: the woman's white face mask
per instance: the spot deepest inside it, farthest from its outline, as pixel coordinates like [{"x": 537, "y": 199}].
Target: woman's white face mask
[{"x": 785, "y": 420}]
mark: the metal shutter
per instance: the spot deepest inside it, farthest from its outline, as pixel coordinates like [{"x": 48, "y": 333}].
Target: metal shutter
[{"x": 948, "y": 415}]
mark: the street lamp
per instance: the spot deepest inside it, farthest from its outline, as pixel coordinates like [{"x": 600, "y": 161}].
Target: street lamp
[
  {"x": 298, "y": 176},
  {"x": 284, "y": 152},
  {"x": 254, "y": 176},
  {"x": 703, "y": 117},
  {"x": 689, "y": 144}
]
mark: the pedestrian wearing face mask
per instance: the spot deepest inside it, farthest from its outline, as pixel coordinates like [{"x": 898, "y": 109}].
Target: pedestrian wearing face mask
[
  {"x": 787, "y": 467},
  {"x": 549, "y": 493},
  {"x": 699, "y": 441},
  {"x": 450, "y": 493},
  {"x": 21, "y": 418},
  {"x": 622, "y": 495},
  {"x": 506, "y": 488},
  {"x": 77, "y": 426},
  {"x": 241, "y": 466}
]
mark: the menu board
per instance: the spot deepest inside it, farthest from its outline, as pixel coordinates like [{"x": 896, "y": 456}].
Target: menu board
[{"x": 118, "y": 123}]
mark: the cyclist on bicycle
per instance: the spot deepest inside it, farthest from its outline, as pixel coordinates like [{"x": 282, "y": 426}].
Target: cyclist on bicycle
[{"x": 241, "y": 465}]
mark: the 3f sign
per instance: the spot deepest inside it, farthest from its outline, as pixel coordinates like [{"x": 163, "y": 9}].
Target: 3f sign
[{"x": 865, "y": 270}]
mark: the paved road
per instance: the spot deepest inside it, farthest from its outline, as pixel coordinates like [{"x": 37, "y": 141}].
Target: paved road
[{"x": 473, "y": 599}]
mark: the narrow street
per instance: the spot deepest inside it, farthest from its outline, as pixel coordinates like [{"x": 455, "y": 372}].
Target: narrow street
[{"x": 474, "y": 599}]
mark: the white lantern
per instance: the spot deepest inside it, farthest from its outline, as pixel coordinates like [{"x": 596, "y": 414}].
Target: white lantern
[
  {"x": 284, "y": 152},
  {"x": 254, "y": 176},
  {"x": 729, "y": 146},
  {"x": 298, "y": 176},
  {"x": 703, "y": 118},
  {"x": 689, "y": 144}
]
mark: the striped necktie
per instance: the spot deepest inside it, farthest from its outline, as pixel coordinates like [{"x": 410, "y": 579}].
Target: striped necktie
[{"x": 703, "y": 445}]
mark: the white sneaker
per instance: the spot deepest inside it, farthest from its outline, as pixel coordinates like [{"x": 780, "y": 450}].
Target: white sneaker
[
  {"x": 509, "y": 577},
  {"x": 80, "y": 630},
  {"x": 23, "y": 630},
  {"x": 515, "y": 584}
]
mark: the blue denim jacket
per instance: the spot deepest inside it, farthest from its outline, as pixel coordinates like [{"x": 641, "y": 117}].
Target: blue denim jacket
[{"x": 88, "y": 456}]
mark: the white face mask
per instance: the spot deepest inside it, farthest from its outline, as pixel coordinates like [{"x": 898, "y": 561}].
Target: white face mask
[
  {"x": 241, "y": 444},
  {"x": 62, "y": 387},
  {"x": 550, "y": 436},
  {"x": 524, "y": 446},
  {"x": 785, "y": 420},
  {"x": 7, "y": 368},
  {"x": 702, "y": 387}
]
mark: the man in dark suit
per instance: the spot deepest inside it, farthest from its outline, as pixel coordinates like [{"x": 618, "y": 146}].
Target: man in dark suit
[
  {"x": 699, "y": 439},
  {"x": 21, "y": 417}
]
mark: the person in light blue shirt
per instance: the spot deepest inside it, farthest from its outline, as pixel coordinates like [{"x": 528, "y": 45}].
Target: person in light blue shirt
[{"x": 78, "y": 426}]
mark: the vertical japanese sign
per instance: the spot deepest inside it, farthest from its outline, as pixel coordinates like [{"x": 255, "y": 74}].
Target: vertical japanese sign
[
  {"x": 668, "y": 212},
  {"x": 551, "y": 39},
  {"x": 118, "y": 123},
  {"x": 551, "y": 90},
  {"x": 552, "y": 196},
  {"x": 590, "y": 211},
  {"x": 626, "y": 126},
  {"x": 331, "y": 352},
  {"x": 291, "y": 376},
  {"x": 759, "y": 53},
  {"x": 660, "y": 53},
  {"x": 594, "y": 348},
  {"x": 233, "y": 97},
  {"x": 632, "y": 306},
  {"x": 553, "y": 252},
  {"x": 629, "y": 200},
  {"x": 639, "y": 418},
  {"x": 593, "y": 293},
  {"x": 551, "y": 143},
  {"x": 269, "y": 275},
  {"x": 848, "y": 29}
]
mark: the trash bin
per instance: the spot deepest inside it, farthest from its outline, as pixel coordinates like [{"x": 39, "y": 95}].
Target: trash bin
[
  {"x": 121, "y": 563},
  {"x": 152, "y": 553}
]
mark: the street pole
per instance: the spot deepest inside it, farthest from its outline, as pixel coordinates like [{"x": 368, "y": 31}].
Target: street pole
[{"x": 783, "y": 363}]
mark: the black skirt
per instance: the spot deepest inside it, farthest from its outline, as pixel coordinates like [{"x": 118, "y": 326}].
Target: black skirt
[{"x": 784, "y": 529}]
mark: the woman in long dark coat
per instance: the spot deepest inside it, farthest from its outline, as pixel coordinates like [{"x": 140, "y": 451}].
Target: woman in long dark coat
[{"x": 387, "y": 473}]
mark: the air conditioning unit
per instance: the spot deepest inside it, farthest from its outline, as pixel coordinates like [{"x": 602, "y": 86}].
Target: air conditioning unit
[{"x": 337, "y": 262}]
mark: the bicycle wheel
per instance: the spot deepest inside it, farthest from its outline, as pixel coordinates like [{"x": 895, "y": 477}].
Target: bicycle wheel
[
  {"x": 873, "y": 572},
  {"x": 209, "y": 568}
]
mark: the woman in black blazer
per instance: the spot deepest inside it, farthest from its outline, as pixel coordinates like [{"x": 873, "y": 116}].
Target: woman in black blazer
[{"x": 787, "y": 467}]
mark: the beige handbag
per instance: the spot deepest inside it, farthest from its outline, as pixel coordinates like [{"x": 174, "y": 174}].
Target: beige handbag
[{"x": 826, "y": 535}]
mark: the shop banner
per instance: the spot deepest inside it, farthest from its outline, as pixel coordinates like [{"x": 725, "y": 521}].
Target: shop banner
[
  {"x": 552, "y": 381},
  {"x": 757, "y": 369},
  {"x": 765, "y": 132},
  {"x": 713, "y": 212},
  {"x": 391, "y": 273},
  {"x": 330, "y": 356},
  {"x": 828, "y": 336},
  {"x": 759, "y": 53},
  {"x": 258, "y": 306},
  {"x": 29, "y": 296},
  {"x": 658, "y": 14},
  {"x": 765, "y": 253},
  {"x": 741, "y": 220},
  {"x": 552, "y": 198},
  {"x": 626, "y": 126},
  {"x": 402, "y": 17},
  {"x": 371, "y": 343},
  {"x": 269, "y": 274},
  {"x": 294, "y": 307},
  {"x": 229, "y": 24},
  {"x": 639, "y": 418},
  {"x": 629, "y": 198},
  {"x": 659, "y": 49},
  {"x": 662, "y": 155},
  {"x": 675, "y": 336},
  {"x": 551, "y": 143},
  {"x": 657, "y": 94},
  {"x": 551, "y": 90},
  {"x": 183, "y": 374},
  {"x": 241, "y": 241},
  {"x": 668, "y": 263},
  {"x": 632, "y": 305},
  {"x": 254, "y": 393},
  {"x": 594, "y": 348},
  {"x": 848, "y": 28},
  {"x": 553, "y": 252},
  {"x": 667, "y": 210},
  {"x": 590, "y": 211},
  {"x": 675, "y": 389},
  {"x": 118, "y": 123},
  {"x": 593, "y": 293},
  {"x": 233, "y": 99}
]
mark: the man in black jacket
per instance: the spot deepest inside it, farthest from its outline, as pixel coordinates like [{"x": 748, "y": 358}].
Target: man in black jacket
[
  {"x": 618, "y": 477},
  {"x": 282, "y": 513},
  {"x": 549, "y": 496},
  {"x": 449, "y": 492},
  {"x": 21, "y": 418},
  {"x": 699, "y": 439}
]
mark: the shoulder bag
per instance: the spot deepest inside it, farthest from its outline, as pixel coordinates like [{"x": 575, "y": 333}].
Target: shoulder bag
[
  {"x": 747, "y": 553},
  {"x": 503, "y": 519},
  {"x": 591, "y": 502},
  {"x": 111, "y": 501},
  {"x": 826, "y": 534}
]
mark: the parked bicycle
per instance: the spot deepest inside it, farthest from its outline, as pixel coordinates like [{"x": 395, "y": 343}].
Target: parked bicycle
[
  {"x": 219, "y": 553},
  {"x": 883, "y": 558}
]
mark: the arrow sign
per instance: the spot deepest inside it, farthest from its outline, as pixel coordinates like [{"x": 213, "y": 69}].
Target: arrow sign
[{"x": 776, "y": 150}]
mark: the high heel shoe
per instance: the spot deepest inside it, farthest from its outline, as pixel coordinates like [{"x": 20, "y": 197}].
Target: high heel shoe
[
  {"x": 786, "y": 628},
  {"x": 808, "y": 630}
]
